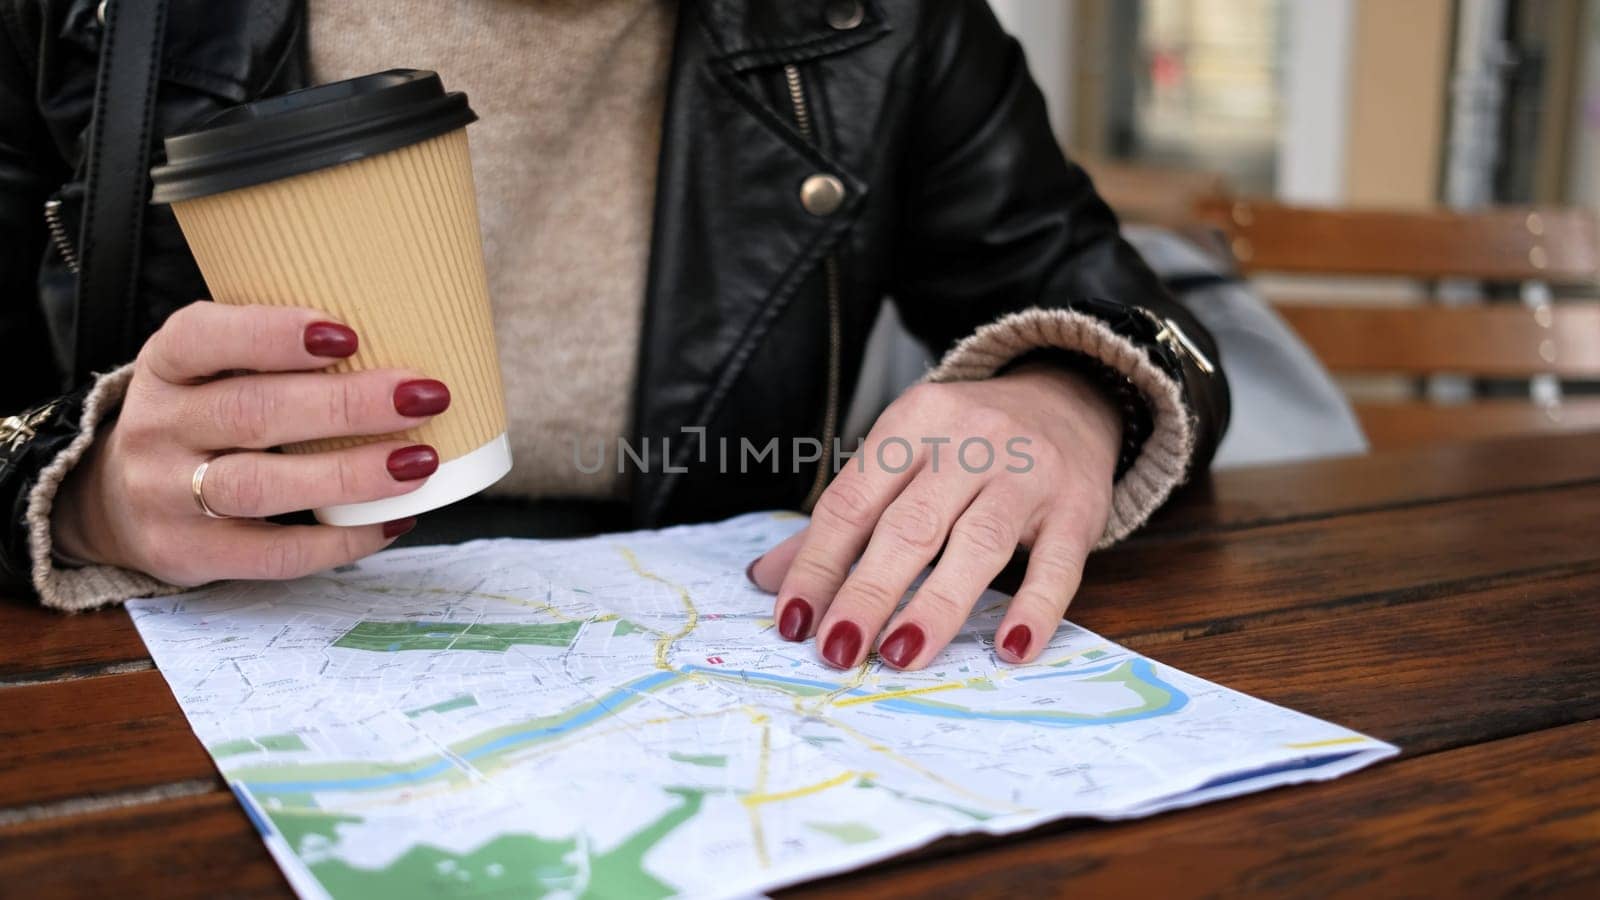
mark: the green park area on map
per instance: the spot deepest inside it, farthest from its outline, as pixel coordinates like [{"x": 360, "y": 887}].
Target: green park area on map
[
  {"x": 521, "y": 865},
  {"x": 280, "y": 743},
  {"x": 395, "y": 637},
  {"x": 465, "y": 701}
]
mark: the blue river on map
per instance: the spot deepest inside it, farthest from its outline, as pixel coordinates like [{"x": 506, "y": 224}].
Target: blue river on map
[{"x": 1139, "y": 667}]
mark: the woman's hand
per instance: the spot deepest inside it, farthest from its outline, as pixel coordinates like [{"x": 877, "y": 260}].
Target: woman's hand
[
  {"x": 226, "y": 383},
  {"x": 1044, "y": 483}
]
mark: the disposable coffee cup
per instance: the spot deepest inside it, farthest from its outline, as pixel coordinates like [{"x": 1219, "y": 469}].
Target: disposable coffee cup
[{"x": 356, "y": 198}]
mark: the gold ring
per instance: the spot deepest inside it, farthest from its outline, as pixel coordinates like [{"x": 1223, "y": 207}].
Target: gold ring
[{"x": 197, "y": 487}]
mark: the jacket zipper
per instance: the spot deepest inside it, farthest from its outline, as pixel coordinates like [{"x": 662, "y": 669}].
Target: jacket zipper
[
  {"x": 1177, "y": 342},
  {"x": 830, "y": 418},
  {"x": 58, "y": 235}
]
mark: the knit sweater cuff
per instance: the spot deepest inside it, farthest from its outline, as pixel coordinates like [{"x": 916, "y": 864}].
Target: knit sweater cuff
[
  {"x": 61, "y": 585},
  {"x": 1163, "y": 461}
]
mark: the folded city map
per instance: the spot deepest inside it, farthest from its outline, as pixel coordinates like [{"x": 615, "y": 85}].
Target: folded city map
[{"x": 617, "y": 717}]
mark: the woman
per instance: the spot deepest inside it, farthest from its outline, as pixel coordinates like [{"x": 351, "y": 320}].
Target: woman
[{"x": 692, "y": 211}]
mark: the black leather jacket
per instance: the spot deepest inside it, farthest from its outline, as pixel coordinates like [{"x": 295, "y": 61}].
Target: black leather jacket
[{"x": 958, "y": 204}]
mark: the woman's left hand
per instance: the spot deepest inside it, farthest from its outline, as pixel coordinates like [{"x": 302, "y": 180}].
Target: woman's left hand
[{"x": 979, "y": 468}]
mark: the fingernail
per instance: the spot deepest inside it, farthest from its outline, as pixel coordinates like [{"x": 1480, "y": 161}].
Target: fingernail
[
  {"x": 331, "y": 339},
  {"x": 842, "y": 645},
  {"x": 750, "y": 570},
  {"x": 399, "y": 526},
  {"x": 422, "y": 397},
  {"x": 903, "y": 645},
  {"x": 411, "y": 463},
  {"x": 1017, "y": 641},
  {"x": 795, "y": 621}
]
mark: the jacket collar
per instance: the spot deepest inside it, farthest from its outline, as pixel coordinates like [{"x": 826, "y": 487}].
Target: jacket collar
[{"x": 751, "y": 33}]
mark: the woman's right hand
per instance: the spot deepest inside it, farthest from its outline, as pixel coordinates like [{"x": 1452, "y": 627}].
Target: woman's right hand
[{"x": 227, "y": 384}]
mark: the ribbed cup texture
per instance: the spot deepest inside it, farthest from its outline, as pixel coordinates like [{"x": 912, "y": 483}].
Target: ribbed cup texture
[{"x": 389, "y": 245}]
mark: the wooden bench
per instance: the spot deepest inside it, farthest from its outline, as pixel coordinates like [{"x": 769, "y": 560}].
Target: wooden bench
[{"x": 1540, "y": 338}]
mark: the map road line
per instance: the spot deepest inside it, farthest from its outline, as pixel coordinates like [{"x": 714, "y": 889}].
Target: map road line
[
  {"x": 907, "y": 692},
  {"x": 1334, "y": 742},
  {"x": 693, "y": 615},
  {"x": 806, "y": 791}
]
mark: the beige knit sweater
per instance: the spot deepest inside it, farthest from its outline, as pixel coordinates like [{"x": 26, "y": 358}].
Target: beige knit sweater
[{"x": 570, "y": 95}]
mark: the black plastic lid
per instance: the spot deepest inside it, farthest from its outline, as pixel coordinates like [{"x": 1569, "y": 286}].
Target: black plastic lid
[{"x": 306, "y": 130}]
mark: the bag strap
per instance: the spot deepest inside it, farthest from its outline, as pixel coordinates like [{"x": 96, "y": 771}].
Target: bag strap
[{"x": 118, "y": 184}]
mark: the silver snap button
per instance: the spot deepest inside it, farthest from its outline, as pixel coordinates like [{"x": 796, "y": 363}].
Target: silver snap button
[
  {"x": 100, "y": 13},
  {"x": 822, "y": 195},
  {"x": 843, "y": 15}
]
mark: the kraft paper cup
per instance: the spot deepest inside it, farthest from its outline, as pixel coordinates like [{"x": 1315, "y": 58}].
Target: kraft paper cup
[{"x": 357, "y": 199}]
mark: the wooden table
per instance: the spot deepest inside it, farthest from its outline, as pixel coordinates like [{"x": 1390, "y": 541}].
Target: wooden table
[{"x": 1445, "y": 600}]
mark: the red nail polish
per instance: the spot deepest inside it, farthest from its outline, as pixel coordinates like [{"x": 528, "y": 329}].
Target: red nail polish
[
  {"x": 750, "y": 570},
  {"x": 903, "y": 645},
  {"x": 422, "y": 397},
  {"x": 331, "y": 339},
  {"x": 399, "y": 526},
  {"x": 1017, "y": 641},
  {"x": 411, "y": 463},
  {"x": 795, "y": 622},
  {"x": 842, "y": 645}
]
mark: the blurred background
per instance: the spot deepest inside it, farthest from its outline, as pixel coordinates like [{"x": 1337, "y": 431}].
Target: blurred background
[
  {"x": 1331, "y": 101},
  {"x": 1385, "y": 209}
]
